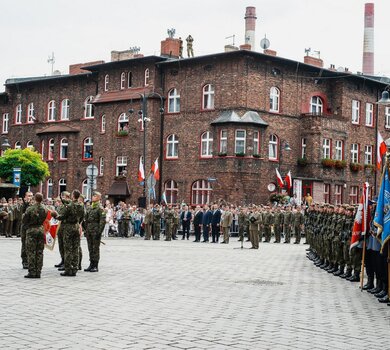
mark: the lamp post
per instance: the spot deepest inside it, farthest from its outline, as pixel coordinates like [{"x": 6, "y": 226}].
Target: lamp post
[{"x": 4, "y": 145}]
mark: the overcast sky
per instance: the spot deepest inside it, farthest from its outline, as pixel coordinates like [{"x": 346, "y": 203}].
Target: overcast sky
[{"x": 87, "y": 30}]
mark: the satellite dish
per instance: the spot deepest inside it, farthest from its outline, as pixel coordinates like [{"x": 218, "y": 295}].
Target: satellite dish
[
  {"x": 340, "y": 69},
  {"x": 57, "y": 72},
  {"x": 264, "y": 43}
]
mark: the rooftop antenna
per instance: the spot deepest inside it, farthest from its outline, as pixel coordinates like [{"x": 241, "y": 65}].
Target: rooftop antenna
[
  {"x": 51, "y": 60},
  {"x": 307, "y": 51},
  {"x": 232, "y": 37},
  {"x": 264, "y": 43},
  {"x": 134, "y": 50},
  {"x": 171, "y": 32}
]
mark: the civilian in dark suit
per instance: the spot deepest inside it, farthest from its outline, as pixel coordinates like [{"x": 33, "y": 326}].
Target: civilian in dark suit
[
  {"x": 198, "y": 219},
  {"x": 185, "y": 218},
  {"x": 207, "y": 217},
  {"x": 215, "y": 223}
]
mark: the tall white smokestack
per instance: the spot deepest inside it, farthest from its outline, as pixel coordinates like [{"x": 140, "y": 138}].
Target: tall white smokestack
[
  {"x": 368, "y": 43},
  {"x": 250, "y": 26}
]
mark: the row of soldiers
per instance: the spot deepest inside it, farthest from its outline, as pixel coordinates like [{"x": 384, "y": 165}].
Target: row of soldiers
[{"x": 11, "y": 214}]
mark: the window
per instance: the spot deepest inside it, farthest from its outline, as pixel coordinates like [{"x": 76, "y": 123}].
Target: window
[
  {"x": 106, "y": 81},
  {"x": 208, "y": 97},
  {"x": 256, "y": 143},
  {"x": 65, "y": 107},
  {"x": 326, "y": 193},
  {"x": 49, "y": 189},
  {"x": 51, "y": 111},
  {"x": 30, "y": 113},
  {"x": 129, "y": 79},
  {"x": 173, "y": 101},
  {"x": 339, "y": 148},
  {"x": 274, "y": 97},
  {"x": 61, "y": 186},
  {"x": 240, "y": 142},
  {"x": 121, "y": 165},
  {"x": 326, "y": 148},
  {"x": 89, "y": 110},
  {"x": 354, "y": 153},
  {"x": 30, "y": 145},
  {"x": 123, "y": 80},
  {"x": 103, "y": 124},
  {"x": 171, "y": 191},
  {"x": 5, "y": 127},
  {"x": 88, "y": 149},
  {"x": 50, "y": 153},
  {"x": 316, "y": 105},
  {"x": 338, "y": 194},
  {"x": 367, "y": 154},
  {"x": 101, "y": 166},
  {"x": 64, "y": 149},
  {"x": 353, "y": 195},
  {"x": 387, "y": 117},
  {"x": 42, "y": 149},
  {"x": 146, "y": 76},
  {"x": 18, "y": 145},
  {"x": 123, "y": 122},
  {"x": 355, "y": 112},
  {"x": 273, "y": 147},
  {"x": 18, "y": 114},
  {"x": 369, "y": 114},
  {"x": 206, "y": 146},
  {"x": 303, "y": 147},
  {"x": 223, "y": 142},
  {"x": 86, "y": 189},
  {"x": 201, "y": 192},
  {"x": 172, "y": 146}
]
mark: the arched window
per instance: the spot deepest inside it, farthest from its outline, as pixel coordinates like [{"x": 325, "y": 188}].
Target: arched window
[
  {"x": 106, "y": 81},
  {"x": 18, "y": 145},
  {"x": 146, "y": 76},
  {"x": 50, "y": 153},
  {"x": 172, "y": 146},
  {"x": 61, "y": 186},
  {"x": 103, "y": 124},
  {"x": 30, "y": 113},
  {"x": 173, "y": 101},
  {"x": 65, "y": 109},
  {"x": 273, "y": 147},
  {"x": 129, "y": 79},
  {"x": 171, "y": 191},
  {"x": 5, "y": 123},
  {"x": 64, "y": 149},
  {"x": 49, "y": 189},
  {"x": 101, "y": 166},
  {"x": 316, "y": 105},
  {"x": 86, "y": 189},
  {"x": 274, "y": 97},
  {"x": 123, "y": 80},
  {"x": 18, "y": 114},
  {"x": 30, "y": 145},
  {"x": 51, "y": 111},
  {"x": 201, "y": 192},
  {"x": 208, "y": 97},
  {"x": 123, "y": 122},
  {"x": 206, "y": 145},
  {"x": 89, "y": 110},
  {"x": 88, "y": 149}
]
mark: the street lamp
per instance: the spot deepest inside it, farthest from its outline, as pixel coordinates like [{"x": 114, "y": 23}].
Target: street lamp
[{"x": 4, "y": 145}]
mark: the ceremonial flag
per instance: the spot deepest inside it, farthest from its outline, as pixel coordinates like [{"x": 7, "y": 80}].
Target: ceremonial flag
[
  {"x": 141, "y": 172},
  {"x": 164, "y": 198},
  {"x": 382, "y": 213},
  {"x": 279, "y": 178},
  {"x": 50, "y": 226},
  {"x": 380, "y": 151},
  {"x": 288, "y": 180},
  {"x": 362, "y": 219},
  {"x": 155, "y": 170}
]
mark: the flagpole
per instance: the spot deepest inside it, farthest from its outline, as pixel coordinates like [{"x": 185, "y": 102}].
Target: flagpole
[
  {"x": 365, "y": 209},
  {"x": 362, "y": 268}
]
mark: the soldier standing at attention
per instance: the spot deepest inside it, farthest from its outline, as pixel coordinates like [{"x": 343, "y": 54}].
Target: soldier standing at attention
[
  {"x": 268, "y": 220},
  {"x": 94, "y": 223},
  {"x": 176, "y": 222},
  {"x": 241, "y": 223},
  {"x": 156, "y": 222},
  {"x": 253, "y": 218},
  {"x": 26, "y": 203},
  {"x": 287, "y": 220},
  {"x": 65, "y": 199},
  {"x": 278, "y": 224},
  {"x": 169, "y": 217},
  {"x": 148, "y": 223},
  {"x": 297, "y": 224},
  {"x": 226, "y": 221},
  {"x": 190, "y": 50},
  {"x": 35, "y": 242}
]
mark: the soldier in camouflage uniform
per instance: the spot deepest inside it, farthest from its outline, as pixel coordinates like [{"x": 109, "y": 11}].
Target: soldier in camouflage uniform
[
  {"x": 176, "y": 222},
  {"x": 287, "y": 221},
  {"x": 268, "y": 220},
  {"x": 253, "y": 217},
  {"x": 348, "y": 225},
  {"x": 148, "y": 222},
  {"x": 242, "y": 223},
  {"x": 156, "y": 222},
  {"x": 278, "y": 224},
  {"x": 327, "y": 237},
  {"x": 337, "y": 248},
  {"x": 297, "y": 224},
  {"x": 169, "y": 217},
  {"x": 94, "y": 222},
  {"x": 65, "y": 199},
  {"x": 26, "y": 203}
]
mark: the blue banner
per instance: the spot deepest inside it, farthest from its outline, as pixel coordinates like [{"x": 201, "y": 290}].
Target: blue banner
[
  {"x": 382, "y": 213},
  {"x": 17, "y": 174}
]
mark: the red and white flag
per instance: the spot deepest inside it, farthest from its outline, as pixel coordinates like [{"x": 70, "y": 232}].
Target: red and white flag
[
  {"x": 381, "y": 150},
  {"x": 141, "y": 171},
  {"x": 362, "y": 218},
  {"x": 288, "y": 180},
  {"x": 279, "y": 178},
  {"x": 155, "y": 170},
  {"x": 50, "y": 226}
]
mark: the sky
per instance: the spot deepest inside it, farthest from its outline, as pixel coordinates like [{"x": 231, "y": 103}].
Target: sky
[{"x": 87, "y": 30}]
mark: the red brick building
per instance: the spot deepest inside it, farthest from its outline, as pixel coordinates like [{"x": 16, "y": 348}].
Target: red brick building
[{"x": 230, "y": 119}]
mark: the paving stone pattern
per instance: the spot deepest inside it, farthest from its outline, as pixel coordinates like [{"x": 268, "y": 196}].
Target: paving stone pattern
[{"x": 185, "y": 295}]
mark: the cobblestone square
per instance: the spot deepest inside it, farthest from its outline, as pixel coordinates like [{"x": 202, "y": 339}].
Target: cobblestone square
[{"x": 185, "y": 295}]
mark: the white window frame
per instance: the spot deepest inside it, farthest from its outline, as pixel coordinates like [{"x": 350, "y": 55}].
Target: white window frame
[
  {"x": 173, "y": 101},
  {"x": 326, "y": 148},
  {"x": 316, "y": 105},
  {"x": 61, "y": 182},
  {"x": 50, "y": 149},
  {"x": 106, "y": 82},
  {"x": 338, "y": 194},
  {"x": 223, "y": 139},
  {"x": 206, "y": 145},
  {"x": 201, "y": 192},
  {"x": 5, "y": 124},
  {"x": 240, "y": 141},
  {"x": 101, "y": 166},
  {"x": 274, "y": 96},
  {"x": 369, "y": 114},
  {"x": 103, "y": 124},
  {"x": 256, "y": 142},
  {"x": 387, "y": 117},
  {"x": 65, "y": 109},
  {"x": 368, "y": 154},
  {"x": 89, "y": 110},
  {"x": 353, "y": 194},
  {"x": 339, "y": 150},
  {"x": 51, "y": 111},
  {"x": 120, "y": 162},
  {"x": 123, "y": 119},
  {"x": 88, "y": 142},
  {"x": 147, "y": 77},
  {"x": 171, "y": 191},
  {"x": 355, "y": 112},
  {"x": 326, "y": 193},
  {"x": 86, "y": 189},
  {"x": 30, "y": 113},
  {"x": 172, "y": 147},
  {"x": 49, "y": 188},
  {"x": 123, "y": 80},
  {"x": 29, "y": 145},
  {"x": 18, "y": 114},
  {"x": 354, "y": 153},
  {"x": 303, "y": 147},
  {"x": 64, "y": 149},
  {"x": 208, "y": 97},
  {"x": 273, "y": 147},
  {"x": 18, "y": 145}
]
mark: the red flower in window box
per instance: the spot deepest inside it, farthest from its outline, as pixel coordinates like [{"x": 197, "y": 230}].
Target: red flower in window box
[
  {"x": 355, "y": 167},
  {"x": 328, "y": 163}
]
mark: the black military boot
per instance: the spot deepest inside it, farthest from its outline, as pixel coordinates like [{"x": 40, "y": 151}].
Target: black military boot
[
  {"x": 381, "y": 294},
  {"x": 94, "y": 267},
  {"x": 329, "y": 267},
  {"x": 324, "y": 265},
  {"x": 354, "y": 278},
  {"x": 377, "y": 289},
  {"x": 88, "y": 269},
  {"x": 25, "y": 265},
  {"x": 334, "y": 269},
  {"x": 369, "y": 284},
  {"x": 339, "y": 272},
  {"x": 347, "y": 273},
  {"x": 61, "y": 264},
  {"x": 319, "y": 262}
]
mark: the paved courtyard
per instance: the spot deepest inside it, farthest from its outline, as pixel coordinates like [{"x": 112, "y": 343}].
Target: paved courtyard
[{"x": 185, "y": 295}]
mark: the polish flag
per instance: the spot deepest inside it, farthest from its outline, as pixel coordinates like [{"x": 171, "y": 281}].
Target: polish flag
[
  {"x": 288, "y": 179},
  {"x": 381, "y": 150},
  {"x": 279, "y": 178},
  {"x": 141, "y": 172},
  {"x": 155, "y": 170}
]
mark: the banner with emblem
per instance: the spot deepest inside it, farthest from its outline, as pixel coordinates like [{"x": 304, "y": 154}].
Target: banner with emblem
[
  {"x": 362, "y": 219},
  {"x": 50, "y": 226},
  {"x": 382, "y": 213}
]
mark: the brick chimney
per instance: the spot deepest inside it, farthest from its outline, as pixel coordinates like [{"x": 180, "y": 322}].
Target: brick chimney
[
  {"x": 314, "y": 61},
  {"x": 170, "y": 47},
  {"x": 270, "y": 52},
  {"x": 245, "y": 47}
]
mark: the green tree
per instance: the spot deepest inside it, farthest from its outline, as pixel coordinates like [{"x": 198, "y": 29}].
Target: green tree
[{"x": 33, "y": 168}]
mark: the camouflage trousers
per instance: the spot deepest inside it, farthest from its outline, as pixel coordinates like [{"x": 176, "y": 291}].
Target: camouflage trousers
[
  {"x": 241, "y": 232},
  {"x": 156, "y": 230},
  {"x": 168, "y": 231},
  {"x": 60, "y": 238},
  {"x": 23, "y": 252},
  {"x": 347, "y": 255},
  {"x": 148, "y": 231},
  {"x": 297, "y": 233},
  {"x": 35, "y": 243},
  {"x": 71, "y": 236},
  {"x": 278, "y": 232},
  {"x": 267, "y": 233},
  {"x": 338, "y": 255},
  {"x": 93, "y": 240},
  {"x": 287, "y": 233},
  {"x": 328, "y": 248},
  {"x": 356, "y": 258}
]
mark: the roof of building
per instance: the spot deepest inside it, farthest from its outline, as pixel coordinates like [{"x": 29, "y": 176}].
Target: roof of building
[
  {"x": 97, "y": 67},
  {"x": 15, "y": 81},
  {"x": 122, "y": 95},
  {"x": 58, "y": 128},
  {"x": 119, "y": 188},
  {"x": 250, "y": 117}
]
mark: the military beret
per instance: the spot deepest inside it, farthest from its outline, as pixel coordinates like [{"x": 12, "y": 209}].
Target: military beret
[
  {"x": 351, "y": 208},
  {"x": 96, "y": 193},
  {"x": 65, "y": 193}
]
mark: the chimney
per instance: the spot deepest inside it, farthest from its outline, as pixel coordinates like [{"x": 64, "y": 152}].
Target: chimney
[
  {"x": 270, "y": 52},
  {"x": 250, "y": 26},
  {"x": 170, "y": 47},
  {"x": 314, "y": 61},
  {"x": 229, "y": 48},
  {"x": 368, "y": 42}
]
